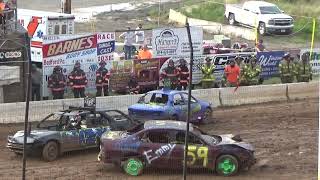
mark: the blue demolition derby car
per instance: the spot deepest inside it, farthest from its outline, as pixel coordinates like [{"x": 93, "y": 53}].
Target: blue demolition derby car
[{"x": 170, "y": 105}]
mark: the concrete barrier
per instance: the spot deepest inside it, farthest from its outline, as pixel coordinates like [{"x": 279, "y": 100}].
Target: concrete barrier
[
  {"x": 213, "y": 27},
  {"x": 253, "y": 94},
  {"x": 299, "y": 90},
  {"x": 14, "y": 112}
]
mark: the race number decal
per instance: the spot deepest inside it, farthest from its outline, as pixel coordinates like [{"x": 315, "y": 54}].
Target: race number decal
[{"x": 197, "y": 153}]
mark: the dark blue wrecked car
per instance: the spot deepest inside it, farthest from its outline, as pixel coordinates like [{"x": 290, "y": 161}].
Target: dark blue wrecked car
[{"x": 68, "y": 130}]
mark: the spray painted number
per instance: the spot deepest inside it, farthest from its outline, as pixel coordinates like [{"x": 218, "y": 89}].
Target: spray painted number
[{"x": 196, "y": 153}]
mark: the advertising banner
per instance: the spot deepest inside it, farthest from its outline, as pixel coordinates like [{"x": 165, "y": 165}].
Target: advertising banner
[
  {"x": 315, "y": 59},
  {"x": 120, "y": 75},
  {"x": 147, "y": 73},
  {"x": 66, "y": 50},
  {"x": 269, "y": 62},
  {"x": 171, "y": 42}
]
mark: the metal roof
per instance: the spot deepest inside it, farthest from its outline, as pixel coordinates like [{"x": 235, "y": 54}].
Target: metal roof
[{"x": 166, "y": 124}]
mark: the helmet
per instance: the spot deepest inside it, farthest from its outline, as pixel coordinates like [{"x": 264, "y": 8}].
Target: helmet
[
  {"x": 57, "y": 68},
  {"x": 208, "y": 59},
  {"x": 171, "y": 62},
  {"x": 101, "y": 63},
  {"x": 182, "y": 60},
  {"x": 286, "y": 55},
  {"x": 77, "y": 64}
]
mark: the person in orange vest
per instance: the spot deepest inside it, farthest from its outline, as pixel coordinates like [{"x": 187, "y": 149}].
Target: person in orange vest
[
  {"x": 102, "y": 80},
  {"x": 78, "y": 81},
  {"x": 170, "y": 76},
  {"x": 57, "y": 83},
  {"x": 3, "y": 6},
  {"x": 183, "y": 75},
  {"x": 144, "y": 53},
  {"x": 232, "y": 72}
]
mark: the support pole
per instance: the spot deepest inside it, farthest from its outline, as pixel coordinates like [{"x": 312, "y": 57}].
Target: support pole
[
  {"x": 189, "y": 105},
  {"x": 28, "y": 93},
  {"x": 312, "y": 38}
]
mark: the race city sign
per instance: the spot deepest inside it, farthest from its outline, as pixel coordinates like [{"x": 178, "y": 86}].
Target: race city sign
[{"x": 171, "y": 42}]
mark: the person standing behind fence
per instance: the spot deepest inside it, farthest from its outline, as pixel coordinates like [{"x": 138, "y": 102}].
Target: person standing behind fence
[
  {"x": 303, "y": 69},
  {"x": 128, "y": 43},
  {"x": 133, "y": 85},
  {"x": 253, "y": 72},
  {"x": 183, "y": 75},
  {"x": 78, "y": 81},
  {"x": 207, "y": 74},
  {"x": 232, "y": 72},
  {"x": 260, "y": 47},
  {"x": 57, "y": 83},
  {"x": 144, "y": 53},
  {"x": 36, "y": 83},
  {"x": 287, "y": 69},
  {"x": 170, "y": 75},
  {"x": 102, "y": 79},
  {"x": 139, "y": 35}
]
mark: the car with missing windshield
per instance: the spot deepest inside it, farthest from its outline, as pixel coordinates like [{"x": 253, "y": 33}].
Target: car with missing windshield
[
  {"x": 76, "y": 128},
  {"x": 170, "y": 104},
  {"x": 160, "y": 144}
]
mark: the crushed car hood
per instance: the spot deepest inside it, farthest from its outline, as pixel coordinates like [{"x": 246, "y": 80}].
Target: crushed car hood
[
  {"x": 113, "y": 135},
  {"x": 34, "y": 134},
  {"x": 230, "y": 139}
]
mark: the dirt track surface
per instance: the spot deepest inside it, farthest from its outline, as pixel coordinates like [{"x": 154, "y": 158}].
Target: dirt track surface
[{"x": 284, "y": 135}]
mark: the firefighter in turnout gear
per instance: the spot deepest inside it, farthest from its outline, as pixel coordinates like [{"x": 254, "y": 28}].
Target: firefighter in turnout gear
[
  {"x": 207, "y": 74},
  {"x": 102, "y": 80},
  {"x": 183, "y": 78},
  {"x": 78, "y": 81},
  {"x": 169, "y": 76},
  {"x": 57, "y": 83},
  {"x": 252, "y": 72},
  {"x": 287, "y": 69},
  {"x": 303, "y": 69},
  {"x": 133, "y": 85}
]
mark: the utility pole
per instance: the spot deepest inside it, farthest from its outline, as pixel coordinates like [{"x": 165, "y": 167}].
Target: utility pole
[
  {"x": 159, "y": 13},
  {"x": 66, "y": 6}
]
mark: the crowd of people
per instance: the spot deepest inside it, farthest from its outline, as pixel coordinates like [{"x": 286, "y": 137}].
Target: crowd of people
[{"x": 237, "y": 72}]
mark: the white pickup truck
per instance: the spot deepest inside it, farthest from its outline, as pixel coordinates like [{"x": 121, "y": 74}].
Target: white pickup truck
[{"x": 267, "y": 17}]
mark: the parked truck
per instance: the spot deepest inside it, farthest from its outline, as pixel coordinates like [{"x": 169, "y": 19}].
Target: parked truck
[
  {"x": 267, "y": 17},
  {"x": 41, "y": 23}
]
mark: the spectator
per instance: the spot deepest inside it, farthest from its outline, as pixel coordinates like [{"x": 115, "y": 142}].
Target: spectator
[
  {"x": 144, "y": 53},
  {"x": 232, "y": 72},
  {"x": 139, "y": 34},
  {"x": 260, "y": 47},
  {"x": 128, "y": 43},
  {"x": 36, "y": 81},
  {"x": 3, "y": 6}
]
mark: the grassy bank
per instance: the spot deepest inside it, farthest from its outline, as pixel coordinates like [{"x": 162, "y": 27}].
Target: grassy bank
[{"x": 299, "y": 9}]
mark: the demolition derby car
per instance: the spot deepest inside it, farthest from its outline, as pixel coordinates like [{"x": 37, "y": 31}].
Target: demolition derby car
[
  {"x": 170, "y": 104},
  {"x": 160, "y": 144},
  {"x": 73, "y": 129}
]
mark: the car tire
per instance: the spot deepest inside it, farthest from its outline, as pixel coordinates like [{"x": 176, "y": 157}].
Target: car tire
[
  {"x": 50, "y": 151},
  {"x": 227, "y": 165},
  {"x": 231, "y": 19},
  {"x": 174, "y": 118},
  {"x": 262, "y": 28},
  {"x": 133, "y": 166},
  {"x": 207, "y": 116}
]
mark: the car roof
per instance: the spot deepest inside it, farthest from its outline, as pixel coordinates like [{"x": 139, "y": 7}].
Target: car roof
[
  {"x": 166, "y": 124},
  {"x": 71, "y": 113},
  {"x": 259, "y": 3},
  {"x": 164, "y": 91}
]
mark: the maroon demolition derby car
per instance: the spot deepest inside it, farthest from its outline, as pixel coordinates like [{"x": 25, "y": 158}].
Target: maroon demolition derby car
[{"x": 160, "y": 144}]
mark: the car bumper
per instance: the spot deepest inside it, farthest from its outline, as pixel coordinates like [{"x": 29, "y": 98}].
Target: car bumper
[
  {"x": 279, "y": 29},
  {"x": 249, "y": 161},
  {"x": 31, "y": 149}
]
